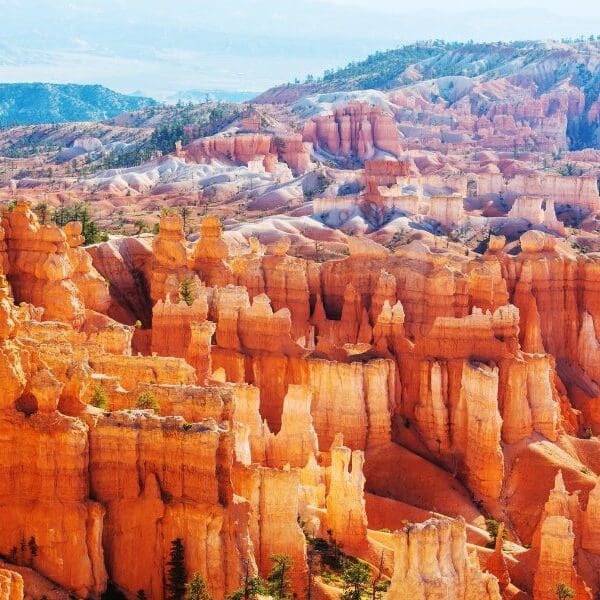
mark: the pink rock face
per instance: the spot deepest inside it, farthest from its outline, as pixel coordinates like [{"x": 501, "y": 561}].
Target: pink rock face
[
  {"x": 354, "y": 130},
  {"x": 245, "y": 148},
  {"x": 240, "y": 148}
]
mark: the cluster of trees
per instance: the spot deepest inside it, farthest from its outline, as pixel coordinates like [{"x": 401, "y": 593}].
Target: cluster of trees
[
  {"x": 132, "y": 156},
  {"x": 26, "y": 552},
  {"x": 357, "y": 579},
  {"x": 208, "y": 122},
  {"x": 277, "y": 584},
  {"x": 76, "y": 212},
  {"x": 581, "y": 38},
  {"x": 355, "y": 576},
  {"x": 380, "y": 68}
]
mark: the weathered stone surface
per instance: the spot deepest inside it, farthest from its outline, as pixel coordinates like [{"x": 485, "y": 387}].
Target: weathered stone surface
[
  {"x": 40, "y": 269},
  {"x": 430, "y": 560},
  {"x": 11, "y": 585},
  {"x": 354, "y": 129}
]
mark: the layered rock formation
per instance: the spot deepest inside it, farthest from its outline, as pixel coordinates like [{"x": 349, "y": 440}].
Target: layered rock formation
[
  {"x": 290, "y": 395},
  {"x": 40, "y": 269},
  {"x": 355, "y": 129},
  {"x": 170, "y": 258},
  {"x": 11, "y": 585},
  {"x": 431, "y": 560},
  {"x": 254, "y": 150}
]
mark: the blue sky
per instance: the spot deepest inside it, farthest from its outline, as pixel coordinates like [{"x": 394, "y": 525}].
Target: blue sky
[{"x": 160, "y": 47}]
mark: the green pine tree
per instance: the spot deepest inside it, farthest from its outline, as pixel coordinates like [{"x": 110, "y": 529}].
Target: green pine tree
[
  {"x": 278, "y": 581},
  {"x": 356, "y": 577},
  {"x": 176, "y": 576},
  {"x": 186, "y": 291},
  {"x": 196, "y": 589}
]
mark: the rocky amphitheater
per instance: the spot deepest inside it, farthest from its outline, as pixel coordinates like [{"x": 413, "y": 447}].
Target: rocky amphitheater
[{"x": 346, "y": 347}]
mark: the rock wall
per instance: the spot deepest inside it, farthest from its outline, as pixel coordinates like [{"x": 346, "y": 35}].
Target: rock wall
[
  {"x": 136, "y": 472},
  {"x": 354, "y": 129},
  {"x": 431, "y": 560},
  {"x": 51, "y": 502}
]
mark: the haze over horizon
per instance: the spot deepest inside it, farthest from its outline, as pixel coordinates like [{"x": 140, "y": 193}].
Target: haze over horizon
[{"x": 159, "y": 49}]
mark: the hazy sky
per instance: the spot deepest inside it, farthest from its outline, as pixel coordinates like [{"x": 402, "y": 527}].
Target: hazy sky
[{"x": 158, "y": 46}]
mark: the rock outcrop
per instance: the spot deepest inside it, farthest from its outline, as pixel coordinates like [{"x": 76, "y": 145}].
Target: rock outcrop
[
  {"x": 170, "y": 258},
  {"x": 354, "y": 130},
  {"x": 431, "y": 560},
  {"x": 40, "y": 270},
  {"x": 11, "y": 585}
]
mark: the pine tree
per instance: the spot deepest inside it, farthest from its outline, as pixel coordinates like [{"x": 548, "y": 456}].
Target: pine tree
[
  {"x": 185, "y": 213},
  {"x": 33, "y": 547},
  {"x": 253, "y": 586},
  {"x": 196, "y": 589},
  {"x": 278, "y": 580},
  {"x": 186, "y": 291},
  {"x": 176, "y": 576},
  {"x": 356, "y": 576}
]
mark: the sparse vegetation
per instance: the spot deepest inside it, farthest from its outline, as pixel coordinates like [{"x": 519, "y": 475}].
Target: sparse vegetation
[
  {"x": 278, "y": 581},
  {"x": 146, "y": 401},
  {"x": 79, "y": 212},
  {"x": 99, "y": 398},
  {"x": 564, "y": 592},
  {"x": 251, "y": 588},
  {"x": 493, "y": 527},
  {"x": 356, "y": 577}
]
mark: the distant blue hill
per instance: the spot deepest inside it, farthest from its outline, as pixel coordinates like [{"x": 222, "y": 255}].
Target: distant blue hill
[{"x": 35, "y": 103}]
